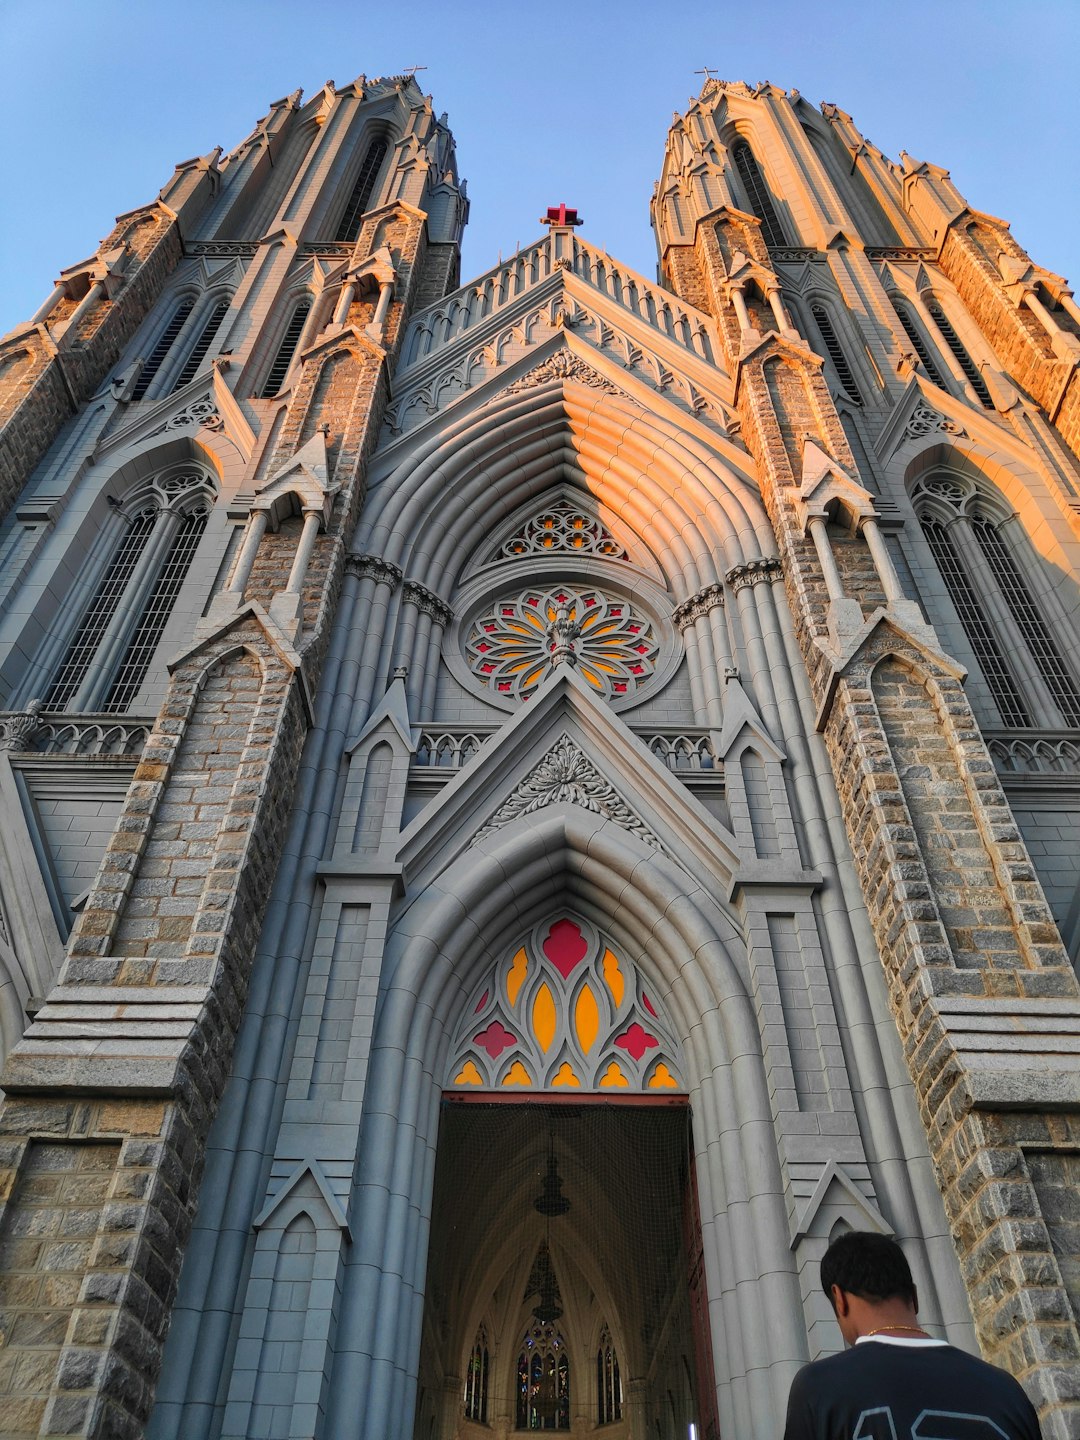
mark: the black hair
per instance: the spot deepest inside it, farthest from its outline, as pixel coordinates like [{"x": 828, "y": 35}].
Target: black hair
[{"x": 873, "y": 1267}]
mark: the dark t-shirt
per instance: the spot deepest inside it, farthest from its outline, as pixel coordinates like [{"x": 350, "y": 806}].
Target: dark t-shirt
[{"x": 878, "y": 1391}]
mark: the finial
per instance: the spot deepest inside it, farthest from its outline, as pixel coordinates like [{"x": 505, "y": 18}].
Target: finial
[{"x": 561, "y": 216}]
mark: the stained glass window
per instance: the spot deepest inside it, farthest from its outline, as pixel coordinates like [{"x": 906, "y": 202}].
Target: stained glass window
[
  {"x": 543, "y": 1380},
  {"x": 608, "y": 1382},
  {"x": 476, "y": 1379},
  {"x": 511, "y": 646},
  {"x": 563, "y": 1012},
  {"x": 563, "y": 528}
]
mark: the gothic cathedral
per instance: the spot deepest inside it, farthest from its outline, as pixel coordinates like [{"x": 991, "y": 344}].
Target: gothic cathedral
[{"x": 529, "y": 806}]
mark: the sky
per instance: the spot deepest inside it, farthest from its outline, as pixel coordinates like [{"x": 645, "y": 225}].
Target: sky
[{"x": 99, "y": 99}]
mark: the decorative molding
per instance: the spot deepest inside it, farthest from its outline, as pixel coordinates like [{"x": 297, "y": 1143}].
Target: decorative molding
[
  {"x": 796, "y": 254},
  {"x": 200, "y": 412},
  {"x": 755, "y": 572},
  {"x": 566, "y": 774},
  {"x": 563, "y": 527},
  {"x": 924, "y": 420},
  {"x": 698, "y": 604},
  {"x": 427, "y": 602},
  {"x": 900, "y": 252},
  {"x": 241, "y": 248},
  {"x": 374, "y": 567},
  {"x": 562, "y": 366}
]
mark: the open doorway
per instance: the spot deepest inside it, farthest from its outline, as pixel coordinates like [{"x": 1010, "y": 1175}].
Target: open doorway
[{"x": 564, "y": 1288}]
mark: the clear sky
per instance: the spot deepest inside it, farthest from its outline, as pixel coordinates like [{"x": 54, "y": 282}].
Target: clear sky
[{"x": 548, "y": 102}]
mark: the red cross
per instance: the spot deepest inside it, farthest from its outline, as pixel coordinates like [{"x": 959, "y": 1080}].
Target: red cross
[{"x": 561, "y": 215}]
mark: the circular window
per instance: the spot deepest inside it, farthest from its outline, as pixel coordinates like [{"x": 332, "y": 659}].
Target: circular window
[{"x": 513, "y": 644}]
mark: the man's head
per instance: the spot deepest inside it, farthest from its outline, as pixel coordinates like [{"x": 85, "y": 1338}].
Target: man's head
[{"x": 869, "y": 1285}]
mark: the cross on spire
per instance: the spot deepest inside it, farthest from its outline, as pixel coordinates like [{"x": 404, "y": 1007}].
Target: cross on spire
[
  {"x": 412, "y": 69},
  {"x": 707, "y": 71},
  {"x": 561, "y": 215}
]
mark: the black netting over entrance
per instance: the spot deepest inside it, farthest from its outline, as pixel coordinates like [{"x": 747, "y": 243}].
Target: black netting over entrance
[{"x": 564, "y": 1285}]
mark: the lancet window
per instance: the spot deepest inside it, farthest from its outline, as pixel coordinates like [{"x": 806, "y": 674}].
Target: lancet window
[
  {"x": 918, "y": 343},
  {"x": 987, "y": 576},
  {"x": 757, "y": 194},
  {"x": 835, "y": 352},
  {"x": 960, "y": 354},
  {"x": 165, "y": 342},
  {"x": 286, "y": 350},
  {"x": 202, "y": 344},
  {"x": 608, "y": 1381},
  {"x": 565, "y": 1011},
  {"x": 116, "y": 635},
  {"x": 543, "y": 1379},
  {"x": 360, "y": 198},
  {"x": 476, "y": 1379}
]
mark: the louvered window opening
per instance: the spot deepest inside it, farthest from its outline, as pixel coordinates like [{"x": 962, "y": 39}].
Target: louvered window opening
[
  {"x": 963, "y": 359},
  {"x": 836, "y": 353},
  {"x": 148, "y": 631},
  {"x": 761, "y": 202},
  {"x": 976, "y": 627},
  {"x": 202, "y": 345},
  {"x": 165, "y": 343},
  {"x": 289, "y": 341},
  {"x": 919, "y": 345},
  {"x": 349, "y": 228},
  {"x": 1029, "y": 621},
  {"x": 88, "y": 637}
]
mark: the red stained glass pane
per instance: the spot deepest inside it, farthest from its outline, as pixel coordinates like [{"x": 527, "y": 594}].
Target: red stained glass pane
[
  {"x": 648, "y": 1005},
  {"x": 483, "y": 1002},
  {"x": 619, "y": 687},
  {"x": 483, "y": 646},
  {"x": 590, "y": 599},
  {"x": 565, "y": 947},
  {"x": 489, "y": 626},
  {"x": 488, "y": 666},
  {"x": 503, "y": 684},
  {"x": 637, "y": 670},
  {"x": 636, "y": 1041},
  {"x": 496, "y": 1038},
  {"x": 615, "y": 610},
  {"x": 533, "y": 600},
  {"x": 642, "y": 649},
  {"x": 634, "y": 629},
  {"x": 508, "y": 610}
]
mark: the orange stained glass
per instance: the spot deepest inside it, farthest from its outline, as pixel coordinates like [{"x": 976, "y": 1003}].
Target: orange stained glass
[
  {"x": 613, "y": 1076},
  {"x": 662, "y": 1079},
  {"x": 566, "y": 1075},
  {"x": 614, "y": 977},
  {"x": 516, "y": 977},
  {"x": 587, "y": 1019},
  {"x": 469, "y": 1075},
  {"x": 517, "y": 1075},
  {"x": 543, "y": 1018}
]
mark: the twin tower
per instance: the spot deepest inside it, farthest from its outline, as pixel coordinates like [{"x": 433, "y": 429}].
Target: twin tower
[{"x": 529, "y": 806}]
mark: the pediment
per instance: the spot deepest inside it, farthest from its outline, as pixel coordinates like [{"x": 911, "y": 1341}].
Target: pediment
[
  {"x": 492, "y": 325},
  {"x": 566, "y": 747}
]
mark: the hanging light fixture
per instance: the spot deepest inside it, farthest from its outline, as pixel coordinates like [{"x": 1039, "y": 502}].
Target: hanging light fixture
[{"x": 550, "y": 1202}]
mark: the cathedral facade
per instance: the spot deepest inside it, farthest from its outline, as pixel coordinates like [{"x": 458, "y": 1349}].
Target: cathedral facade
[{"x": 529, "y": 806}]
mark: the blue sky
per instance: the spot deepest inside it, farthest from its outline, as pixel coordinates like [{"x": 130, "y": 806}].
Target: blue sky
[{"x": 569, "y": 102}]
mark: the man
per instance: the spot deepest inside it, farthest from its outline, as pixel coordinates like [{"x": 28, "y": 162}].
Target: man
[{"x": 896, "y": 1382}]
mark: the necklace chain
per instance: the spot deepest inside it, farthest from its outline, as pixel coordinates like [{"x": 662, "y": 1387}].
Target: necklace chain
[{"x": 915, "y": 1330}]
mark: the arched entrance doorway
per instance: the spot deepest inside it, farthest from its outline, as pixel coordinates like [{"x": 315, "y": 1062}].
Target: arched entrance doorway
[
  {"x": 564, "y": 1258},
  {"x": 564, "y": 1287}
]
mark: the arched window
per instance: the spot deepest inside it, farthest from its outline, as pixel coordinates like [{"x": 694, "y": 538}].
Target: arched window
[
  {"x": 757, "y": 194},
  {"x": 543, "y": 1380},
  {"x": 1012, "y": 639},
  {"x": 198, "y": 351},
  {"x": 114, "y": 640},
  {"x": 165, "y": 342},
  {"x": 476, "y": 1380},
  {"x": 918, "y": 344},
  {"x": 349, "y": 228},
  {"x": 835, "y": 353},
  {"x": 286, "y": 350},
  {"x": 960, "y": 354},
  {"x": 608, "y": 1381}
]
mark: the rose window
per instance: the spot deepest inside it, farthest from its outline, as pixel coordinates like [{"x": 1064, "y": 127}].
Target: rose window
[{"x": 512, "y": 646}]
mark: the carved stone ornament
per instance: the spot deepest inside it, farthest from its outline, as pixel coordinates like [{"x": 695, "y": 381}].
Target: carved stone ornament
[
  {"x": 562, "y": 366},
  {"x": 925, "y": 421},
  {"x": 19, "y": 728},
  {"x": 427, "y": 602},
  {"x": 565, "y": 773},
  {"x": 754, "y": 572},
  {"x": 373, "y": 567},
  {"x": 199, "y": 412},
  {"x": 697, "y": 605}
]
